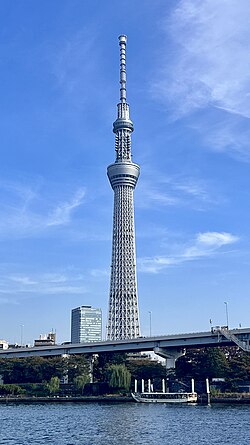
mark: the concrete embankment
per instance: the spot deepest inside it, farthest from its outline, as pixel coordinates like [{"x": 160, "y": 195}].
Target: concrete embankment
[
  {"x": 235, "y": 399},
  {"x": 108, "y": 399},
  {"x": 224, "y": 398}
]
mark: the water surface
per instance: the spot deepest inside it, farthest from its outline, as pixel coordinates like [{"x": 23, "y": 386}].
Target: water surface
[{"x": 124, "y": 424}]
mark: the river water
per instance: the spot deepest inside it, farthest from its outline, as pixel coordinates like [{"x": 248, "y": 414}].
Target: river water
[{"x": 124, "y": 424}]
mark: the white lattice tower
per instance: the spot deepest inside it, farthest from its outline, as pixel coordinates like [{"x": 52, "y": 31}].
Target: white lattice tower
[{"x": 123, "y": 315}]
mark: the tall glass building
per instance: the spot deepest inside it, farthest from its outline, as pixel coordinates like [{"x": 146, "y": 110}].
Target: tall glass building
[{"x": 86, "y": 324}]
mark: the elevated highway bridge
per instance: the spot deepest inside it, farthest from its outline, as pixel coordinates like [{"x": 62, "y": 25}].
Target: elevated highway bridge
[{"x": 168, "y": 346}]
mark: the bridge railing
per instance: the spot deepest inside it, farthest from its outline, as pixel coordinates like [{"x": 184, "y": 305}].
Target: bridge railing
[{"x": 232, "y": 337}]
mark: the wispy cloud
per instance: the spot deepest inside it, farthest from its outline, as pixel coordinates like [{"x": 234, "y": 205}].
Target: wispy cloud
[
  {"x": 25, "y": 212},
  {"x": 204, "y": 245},
  {"x": 211, "y": 61},
  {"x": 152, "y": 193},
  {"x": 23, "y": 280},
  {"x": 6, "y": 300},
  {"x": 55, "y": 277},
  {"x": 174, "y": 191},
  {"x": 207, "y": 67},
  {"x": 21, "y": 285},
  {"x": 62, "y": 213},
  {"x": 99, "y": 273},
  {"x": 72, "y": 73},
  {"x": 18, "y": 192},
  {"x": 230, "y": 134}
]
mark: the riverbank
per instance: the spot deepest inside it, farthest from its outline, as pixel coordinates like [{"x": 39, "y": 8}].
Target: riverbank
[
  {"x": 56, "y": 399},
  {"x": 235, "y": 399},
  {"x": 240, "y": 398}
]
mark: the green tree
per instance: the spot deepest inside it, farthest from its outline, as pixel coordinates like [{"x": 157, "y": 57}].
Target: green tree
[
  {"x": 31, "y": 369},
  {"x": 11, "y": 389},
  {"x": 203, "y": 363},
  {"x": 40, "y": 369},
  {"x": 53, "y": 385},
  {"x": 214, "y": 363},
  {"x": 118, "y": 377},
  {"x": 76, "y": 365},
  {"x": 104, "y": 360},
  {"x": 80, "y": 381},
  {"x": 239, "y": 365},
  {"x": 146, "y": 369}
]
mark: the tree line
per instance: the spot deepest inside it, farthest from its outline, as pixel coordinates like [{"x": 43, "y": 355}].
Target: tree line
[
  {"x": 116, "y": 372},
  {"x": 230, "y": 363}
]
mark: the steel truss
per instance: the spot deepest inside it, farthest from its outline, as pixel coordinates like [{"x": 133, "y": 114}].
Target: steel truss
[{"x": 123, "y": 314}]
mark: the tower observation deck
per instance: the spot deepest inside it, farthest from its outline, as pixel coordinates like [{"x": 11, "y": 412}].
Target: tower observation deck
[{"x": 123, "y": 314}]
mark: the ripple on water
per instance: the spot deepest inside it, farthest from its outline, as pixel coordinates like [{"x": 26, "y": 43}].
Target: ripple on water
[{"x": 130, "y": 424}]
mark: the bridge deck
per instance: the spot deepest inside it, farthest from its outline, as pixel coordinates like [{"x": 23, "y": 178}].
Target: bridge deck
[{"x": 140, "y": 344}]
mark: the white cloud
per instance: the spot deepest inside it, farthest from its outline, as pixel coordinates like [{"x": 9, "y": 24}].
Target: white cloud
[
  {"x": 4, "y": 300},
  {"x": 19, "y": 192},
  {"x": 74, "y": 65},
  {"x": 153, "y": 194},
  {"x": 22, "y": 280},
  {"x": 54, "y": 278},
  {"x": 211, "y": 63},
  {"x": 228, "y": 134},
  {"x": 205, "y": 66},
  {"x": 216, "y": 239},
  {"x": 204, "y": 245},
  {"x": 20, "y": 285},
  {"x": 62, "y": 213},
  {"x": 25, "y": 212},
  {"x": 99, "y": 273},
  {"x": 174, "y": 191}
]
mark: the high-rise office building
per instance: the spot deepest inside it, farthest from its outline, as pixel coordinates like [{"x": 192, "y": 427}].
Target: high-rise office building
[
  {"x": 123, "y": 314},
  {"x": 86, "y": 324}
]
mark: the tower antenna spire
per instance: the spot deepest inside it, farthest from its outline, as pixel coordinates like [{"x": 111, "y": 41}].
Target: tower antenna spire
[{"x": 122, "y": 43}]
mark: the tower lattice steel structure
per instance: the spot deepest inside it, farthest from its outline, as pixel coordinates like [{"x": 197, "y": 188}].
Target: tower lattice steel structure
[{"x": 123, "y": 316}]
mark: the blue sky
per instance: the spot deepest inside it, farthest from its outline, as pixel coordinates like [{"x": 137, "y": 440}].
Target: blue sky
[{"x": 189, "y": 94}]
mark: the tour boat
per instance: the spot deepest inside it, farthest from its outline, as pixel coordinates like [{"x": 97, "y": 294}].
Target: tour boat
[{"x": 165, "y": 397}]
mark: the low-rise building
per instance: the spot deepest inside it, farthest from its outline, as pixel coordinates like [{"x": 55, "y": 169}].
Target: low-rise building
[
  {"x": 46, "y": 340},
  {"x": 4, "y": 344}
]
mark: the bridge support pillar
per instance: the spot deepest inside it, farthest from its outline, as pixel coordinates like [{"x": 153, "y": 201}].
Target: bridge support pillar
[
  {"x": 91, "y": 368},
  {"x": 171, "y": 355}
]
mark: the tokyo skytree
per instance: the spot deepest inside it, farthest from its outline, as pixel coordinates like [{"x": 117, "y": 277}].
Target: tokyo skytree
[{"x": 123, "y": 315}]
